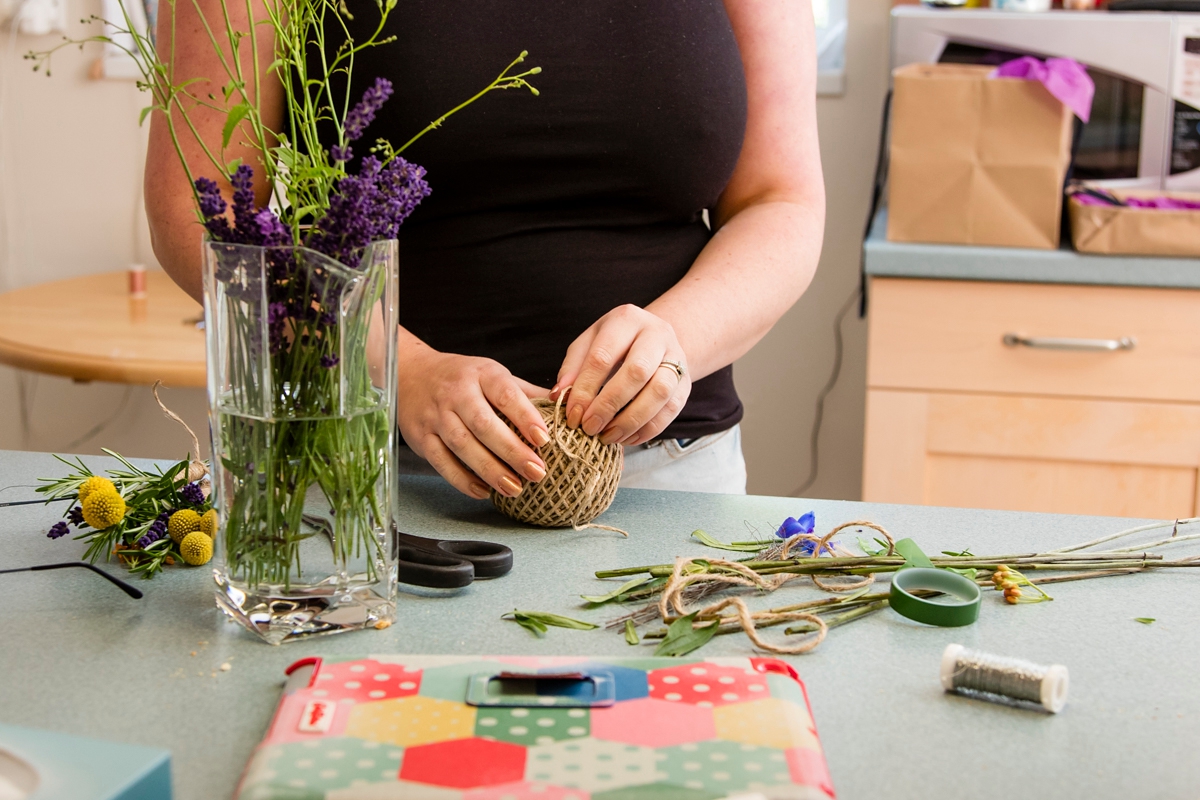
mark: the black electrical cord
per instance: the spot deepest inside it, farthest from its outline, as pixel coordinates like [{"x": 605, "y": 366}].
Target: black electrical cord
[{"x": 859, "y": 293}]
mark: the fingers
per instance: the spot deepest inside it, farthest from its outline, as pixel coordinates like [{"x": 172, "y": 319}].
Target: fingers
[
  {"x": 480, "y": 445},
  {"x": 638, "y": 377},
  {"x": 450, "y": 468},
  {"x": 510, "y": 396},
  {"x": 449, "y": 411},
  {"x": 612, "y": 337},
  {"x": 663, "y": 389},
  {"x": 665, "y": 416}
]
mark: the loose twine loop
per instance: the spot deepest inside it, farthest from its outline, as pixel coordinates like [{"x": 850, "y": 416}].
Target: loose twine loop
[
  {"x": 734, "y": 573},
  {"x": 197, "y": 470},
  {"x": 581, "y": 479}
]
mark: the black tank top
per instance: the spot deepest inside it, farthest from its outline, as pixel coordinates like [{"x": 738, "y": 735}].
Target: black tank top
[{"x": 549, "y": 211}]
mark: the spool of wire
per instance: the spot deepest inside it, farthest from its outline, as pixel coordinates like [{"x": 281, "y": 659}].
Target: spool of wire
[{"x": 999, "y": 679}]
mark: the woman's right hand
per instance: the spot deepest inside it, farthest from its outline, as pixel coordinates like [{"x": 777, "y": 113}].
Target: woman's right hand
[{"x": 447, "y": 412}]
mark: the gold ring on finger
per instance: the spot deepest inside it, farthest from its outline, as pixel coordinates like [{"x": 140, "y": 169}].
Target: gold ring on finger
[{"x": 676, "y": 366}]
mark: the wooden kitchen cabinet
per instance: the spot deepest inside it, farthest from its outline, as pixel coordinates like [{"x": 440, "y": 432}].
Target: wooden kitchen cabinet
[{"x": 956, "y": 417}]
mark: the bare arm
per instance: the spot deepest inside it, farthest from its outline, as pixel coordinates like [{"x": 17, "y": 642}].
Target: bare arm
[
  {"x": 769, "y": 222},
  {"x": 184, "y": 44}
]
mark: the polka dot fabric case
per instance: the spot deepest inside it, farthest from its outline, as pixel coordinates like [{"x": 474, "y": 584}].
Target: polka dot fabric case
[{"x": 394, "y": 727}]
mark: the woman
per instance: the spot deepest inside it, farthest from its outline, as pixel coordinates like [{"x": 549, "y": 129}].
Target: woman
[{"x": 567, "y": 242}]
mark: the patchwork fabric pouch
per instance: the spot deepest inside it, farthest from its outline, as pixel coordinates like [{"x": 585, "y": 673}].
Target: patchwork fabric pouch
[{"x": 399, "y": 727}]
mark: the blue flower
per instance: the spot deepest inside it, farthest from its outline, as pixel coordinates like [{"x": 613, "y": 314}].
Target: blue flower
[
  {"x": 806, "y": 524},
  {"x": 59, "y": 529},
  {"x": 792, "y": 526}
]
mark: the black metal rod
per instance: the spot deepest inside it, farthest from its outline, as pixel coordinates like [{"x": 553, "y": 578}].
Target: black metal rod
[
  {"x": 133, "y": 592},
  {"x": 34, "y": 502}
]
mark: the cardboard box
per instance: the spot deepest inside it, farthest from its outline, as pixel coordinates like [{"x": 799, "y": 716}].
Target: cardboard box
[
  {"x": 976, "y": 160},
  {"x": 1136, "y": 231}
]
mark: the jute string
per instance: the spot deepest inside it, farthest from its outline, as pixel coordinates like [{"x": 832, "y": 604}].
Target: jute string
[
  {"x": 672, "y": 605},
  {"x": 197, "y": 470},
  {"x": 581, "y": 478}
]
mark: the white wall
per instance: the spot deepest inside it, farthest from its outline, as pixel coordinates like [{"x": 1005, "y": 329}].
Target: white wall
[
  {"x": 71, "y": 159},
  {"x": 779, "y": 380},
  {"x": 70, "y": 171}
]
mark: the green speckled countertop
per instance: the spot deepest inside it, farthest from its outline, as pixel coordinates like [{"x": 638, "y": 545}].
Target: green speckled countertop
[{"x": 78, "y": 656}]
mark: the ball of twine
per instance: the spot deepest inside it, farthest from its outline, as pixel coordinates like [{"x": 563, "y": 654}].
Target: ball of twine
[{"x": 581, "y": 479}]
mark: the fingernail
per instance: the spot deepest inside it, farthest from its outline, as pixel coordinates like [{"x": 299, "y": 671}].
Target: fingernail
[
  {"x": 592, "y": 426},
  {"x": 539, "y": 437},
  {"x": 574, "y": 415},
  {"x": 554, "y": 392},
  {"x": 611, "y": 435},
  {"x": 534, "y": 471},
  {"x": 509, "y": 487},
  {"x": 480, "y": 490}
]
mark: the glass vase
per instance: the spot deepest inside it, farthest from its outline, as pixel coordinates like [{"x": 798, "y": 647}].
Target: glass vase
[{"x": 302, "y": 396}]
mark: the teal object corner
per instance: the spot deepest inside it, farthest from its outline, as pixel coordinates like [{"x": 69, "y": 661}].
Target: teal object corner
[{"x": 77, "y": 768}]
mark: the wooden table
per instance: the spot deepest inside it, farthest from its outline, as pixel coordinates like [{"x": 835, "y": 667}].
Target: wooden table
[{"x": 90, "y": 329}]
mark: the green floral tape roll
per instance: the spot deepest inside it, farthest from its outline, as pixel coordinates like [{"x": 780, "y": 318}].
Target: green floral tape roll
[{"x": 958, "y": 606}]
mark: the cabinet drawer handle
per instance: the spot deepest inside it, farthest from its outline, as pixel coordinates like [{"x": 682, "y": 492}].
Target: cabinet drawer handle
[{"x": 1063, "y": 343}]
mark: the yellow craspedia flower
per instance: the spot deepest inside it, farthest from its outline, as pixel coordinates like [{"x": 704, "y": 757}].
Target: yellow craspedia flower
[
  {"x": 208, "y": 523},
  {"x": 95, "y": 484},
  {"x": 182, "y": 523},
  {"x": 103, "y": 509},
  {"x": 196, "y": 548}
]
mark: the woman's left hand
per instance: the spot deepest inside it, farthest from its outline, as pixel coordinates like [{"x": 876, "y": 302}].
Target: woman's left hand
[{"x": 620, "y": 387}]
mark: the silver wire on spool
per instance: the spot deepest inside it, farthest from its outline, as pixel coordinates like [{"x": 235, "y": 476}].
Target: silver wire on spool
[{"x": 999, "y": 679}]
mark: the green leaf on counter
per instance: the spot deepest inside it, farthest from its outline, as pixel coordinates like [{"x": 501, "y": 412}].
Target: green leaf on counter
[
  {"x": 738, "y": 547},
  {"x": 964, "y": 553},
  {"x": 914, "y": 556},
  {"x": 682, "y": 638},
  {"x": 631, "y": 636},
  {"x": 615, "y": 593},
  {"x": 867, "y": 549},
  {"x": 968, "y": 572},
  {"x": 537, "y": 621},
  {"x": 1145, "y": 620}
]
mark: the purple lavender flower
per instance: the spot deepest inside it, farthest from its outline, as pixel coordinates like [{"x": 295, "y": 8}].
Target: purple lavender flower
[
  {"x": 368, "y": 207},
  {"x": 364, "y": 113},
  {"x": 244, "y": 211},
  {"x": 211, "y": 202},
  {"x": 75, "y": 515},
  {"x": 251, "y": 225},
  {"x": 192, "y": 494},
  {"x": 340, "y": 153},
  {"x": 268, "y": 231},
  {"x": 329, "y": 362},
  {"x": 157, "y": 530},
  {"x": 58, "y": 530}
]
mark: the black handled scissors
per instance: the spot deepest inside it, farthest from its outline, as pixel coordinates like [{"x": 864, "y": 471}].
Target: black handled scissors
[{"x": 448, "y": 563}]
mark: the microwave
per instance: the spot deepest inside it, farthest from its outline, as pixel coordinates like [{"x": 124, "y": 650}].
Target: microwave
[{"x": 1144, "y": 129}]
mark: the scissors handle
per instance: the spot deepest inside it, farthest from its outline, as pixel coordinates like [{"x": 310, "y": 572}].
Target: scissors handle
[
  {"x": 423, "y": 567},
  {"x": 449, "y": 564},
  {"x": 490, "y": 560}
]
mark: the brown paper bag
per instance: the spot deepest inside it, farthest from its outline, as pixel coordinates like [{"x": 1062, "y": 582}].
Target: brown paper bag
[
  {"x": 1136, "y": 231},
  {"x": 975, "y": 160}
]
